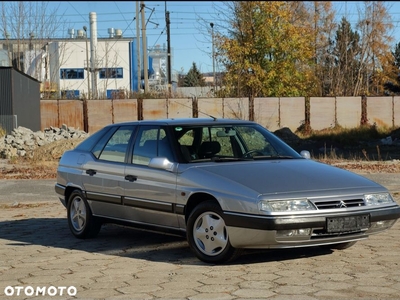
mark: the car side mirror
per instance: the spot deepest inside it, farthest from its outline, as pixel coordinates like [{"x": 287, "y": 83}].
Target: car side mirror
[
  {"x": 305, "y": 154},
  {"x": 161, "y": 163}
]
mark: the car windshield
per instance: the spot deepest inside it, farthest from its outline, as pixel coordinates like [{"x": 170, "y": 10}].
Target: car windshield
[{"x": 230, "y": 142}]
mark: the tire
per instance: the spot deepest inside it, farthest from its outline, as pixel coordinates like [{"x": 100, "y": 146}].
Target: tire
[
  {"x": 80, "y": 219},
  {"x": 207, "y": 234}
]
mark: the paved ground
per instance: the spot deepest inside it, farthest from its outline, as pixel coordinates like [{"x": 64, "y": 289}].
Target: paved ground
[{"x": 37, "y": 251}]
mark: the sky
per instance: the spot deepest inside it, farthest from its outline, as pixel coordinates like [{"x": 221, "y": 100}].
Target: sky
[{"x": 190, "y": 30}]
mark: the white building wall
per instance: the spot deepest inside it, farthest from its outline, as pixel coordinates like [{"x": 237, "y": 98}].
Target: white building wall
[
  {"x": 114, "y": 54},
  {"x": 111, "y": 53}
]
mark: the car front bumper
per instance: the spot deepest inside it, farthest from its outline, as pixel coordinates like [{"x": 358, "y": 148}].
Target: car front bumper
[{"x": 250, "y": 231}]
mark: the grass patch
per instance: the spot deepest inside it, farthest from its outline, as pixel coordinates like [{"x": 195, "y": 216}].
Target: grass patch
[{"x": 348, "y": 136}]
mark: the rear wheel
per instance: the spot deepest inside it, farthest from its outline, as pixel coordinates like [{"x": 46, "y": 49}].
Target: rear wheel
[
  {"x": 207, "y": 234},
  {"x": 80, "y": 219}
]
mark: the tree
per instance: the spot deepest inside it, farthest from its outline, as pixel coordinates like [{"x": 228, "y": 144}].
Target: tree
[
  {"x": 27, "y": 27},
  {"x": 194, "y": 77},
  {"x": 376, "y": 59},
  {"x": 264, "y": 52},
  {"x": 345, "y": 55},
  {"x": 392, "y": 86}
]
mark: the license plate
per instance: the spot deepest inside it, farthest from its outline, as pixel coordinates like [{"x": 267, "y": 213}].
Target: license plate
[{"x": 347, "y": 224}]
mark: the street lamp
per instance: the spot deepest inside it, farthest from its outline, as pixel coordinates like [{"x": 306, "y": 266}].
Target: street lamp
[
  {"x": 213, "y": 54},
  {"x": 87, "y": 61}
]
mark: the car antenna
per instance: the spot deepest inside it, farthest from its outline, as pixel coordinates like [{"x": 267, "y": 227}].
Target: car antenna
[{"x": 215, "y": 119}]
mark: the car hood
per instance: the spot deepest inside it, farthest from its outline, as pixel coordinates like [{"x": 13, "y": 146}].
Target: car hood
[{"x": 287, "y": 176}]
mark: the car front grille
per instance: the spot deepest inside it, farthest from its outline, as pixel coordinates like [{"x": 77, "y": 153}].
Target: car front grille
[{"x": 335, "y": 204}]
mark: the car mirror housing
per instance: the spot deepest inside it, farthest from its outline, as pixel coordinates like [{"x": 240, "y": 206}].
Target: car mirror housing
[
  {"x": 162, "y": 163},
  {"x": 305, "y": 154}
]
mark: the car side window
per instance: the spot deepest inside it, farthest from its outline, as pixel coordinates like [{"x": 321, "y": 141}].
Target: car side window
[
  {"x": 151, "y": 141},
  {"x": 116, "y": 147},
  {"x": 223, "y": 142}
]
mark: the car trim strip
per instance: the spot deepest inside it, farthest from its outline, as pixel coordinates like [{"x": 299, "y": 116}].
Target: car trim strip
[
  {"x": 104, "y": 197},
  {"x": 148, "y": 204}
]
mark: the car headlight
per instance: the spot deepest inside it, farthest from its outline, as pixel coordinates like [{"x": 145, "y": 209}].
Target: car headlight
[
  {"x": 286, "y": 205},
  {"x": 378, "y": 199}
]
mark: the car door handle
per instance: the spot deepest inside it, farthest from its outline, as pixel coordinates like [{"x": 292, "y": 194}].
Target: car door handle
[
  {"x": 91, "y": 172},
  {"x": 131, "y": 178}
]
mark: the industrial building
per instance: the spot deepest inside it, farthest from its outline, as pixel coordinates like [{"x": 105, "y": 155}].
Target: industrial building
[{"x": 83, "y": 66}]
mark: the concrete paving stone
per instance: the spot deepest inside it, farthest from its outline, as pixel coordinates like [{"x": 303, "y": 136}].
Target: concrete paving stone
[
  {"x": 136, "y": 296},
  {"x": 376, "y": 290},
  {"x": 37, "y": 258},
  {"x": 110, "y": 284},
  {"x": 296, "y": 297},
  {"x": 175, "y": 294},
  {"x": 266, "y": 276},
  {"x": 58, "y": 272},
  {"x": 294, "y": 279},
  {"x": 221, "y": 280},
  {"x": 44, "y": 280},
  {"x": 184, "y": 285},
  {"x": 219, "y": 296},
  {"x": 149, "y": 288},
  {"x": 97, "y": 293},
  {"x": 128, "y": 271},
  {"x": 291, "y": 290},
  {"x": 214, "y": 288},
  {"x": 333, "y": 285},
  {"x": 332, "y": 277},
  {"x": 206, "y": 279},
  {"x": 253, "y": 293},
  {"x": 259, "y": 284},
  {"x": 20, "y": 271},
  {"x": 335, "y": 294}
]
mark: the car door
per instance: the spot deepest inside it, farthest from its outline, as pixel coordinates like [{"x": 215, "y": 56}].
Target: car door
[
  {"x": 102, "y": 176},
  {"x": 150, "y": 194}
]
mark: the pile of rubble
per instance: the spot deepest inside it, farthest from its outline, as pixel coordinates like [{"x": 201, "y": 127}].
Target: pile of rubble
[{"x": 22, "y": 142}]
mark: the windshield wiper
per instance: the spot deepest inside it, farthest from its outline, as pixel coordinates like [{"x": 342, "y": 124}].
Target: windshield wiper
[
  {"x": 270, "y": 157},
  {"x": 224, "y": 159}
]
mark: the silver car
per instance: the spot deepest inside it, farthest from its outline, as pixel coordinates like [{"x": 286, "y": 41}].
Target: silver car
[{"x": 226, "y": 185}]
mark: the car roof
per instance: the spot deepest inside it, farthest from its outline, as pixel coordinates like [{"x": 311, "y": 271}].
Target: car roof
[{"x": 185, "y": 121}]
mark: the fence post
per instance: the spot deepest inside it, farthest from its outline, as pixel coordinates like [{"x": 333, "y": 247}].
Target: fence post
[{"x": 364, "y": 117}]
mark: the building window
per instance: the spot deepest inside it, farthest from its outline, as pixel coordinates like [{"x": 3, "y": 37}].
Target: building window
[
  {"x": 111, "y": 73},
  {"x": 115, "y": 94},
  {"x": 72, "y": 73},
  {"x": 70, "y": 94}
]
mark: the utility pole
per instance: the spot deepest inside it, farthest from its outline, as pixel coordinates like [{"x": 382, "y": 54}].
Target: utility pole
[
  {"x": 167, "y": 20},
  {"x": 213, "y": 54},
  {"x": 139, "y": 73},
  {"x": 145, "y": 59}
]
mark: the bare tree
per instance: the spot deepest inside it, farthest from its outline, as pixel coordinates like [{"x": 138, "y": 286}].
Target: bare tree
[
  {"x": 28, "y": 27},
  {"x": 376, "y": 60}
]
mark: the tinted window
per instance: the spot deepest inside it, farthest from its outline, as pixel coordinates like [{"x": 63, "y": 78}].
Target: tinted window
[
  {"x": 117, "y": 145},
  {"x": 151, "y": 141},
  {"x": 90, "y": 141}
]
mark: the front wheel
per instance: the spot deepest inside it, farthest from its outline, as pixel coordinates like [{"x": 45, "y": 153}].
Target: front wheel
[
  {"x": 80, "y": 219},
  {"x": 207, "y": 234}
]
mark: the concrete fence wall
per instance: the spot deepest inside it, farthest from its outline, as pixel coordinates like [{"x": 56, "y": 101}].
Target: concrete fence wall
[{"x": 273, "y": 113}]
